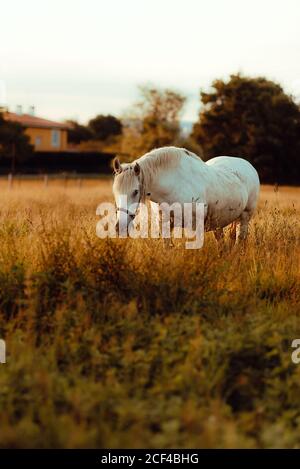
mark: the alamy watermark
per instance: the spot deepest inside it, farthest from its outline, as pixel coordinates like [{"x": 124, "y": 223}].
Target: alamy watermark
[
  {"x": 2, "y": 351},
  {"x": 296, "y": 353},
  {"x": 140, "y": 220}
]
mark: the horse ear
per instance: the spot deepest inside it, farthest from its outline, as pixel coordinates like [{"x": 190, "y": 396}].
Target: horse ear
[
  {"x": 137, "y": 169},
  {"x": 117, "y": 165}
]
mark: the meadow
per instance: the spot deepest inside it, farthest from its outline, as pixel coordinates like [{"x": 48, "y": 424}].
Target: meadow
[{"x": 124, "y": 343}]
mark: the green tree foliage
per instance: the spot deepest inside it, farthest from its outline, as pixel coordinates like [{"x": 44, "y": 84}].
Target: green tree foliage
[
  {"x": 14, "y": 143},
  {"x": 255, "y": 119},
  {"x": 154, "y": 121},
  {"x": 103, "y": 127},
  {"x": 78, "y": 133}
]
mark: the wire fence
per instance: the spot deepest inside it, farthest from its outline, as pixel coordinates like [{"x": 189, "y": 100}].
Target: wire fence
[{"x": 45, "y": 181}]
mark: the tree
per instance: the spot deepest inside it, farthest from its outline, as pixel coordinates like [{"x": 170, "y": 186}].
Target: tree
[
  {"x": 252, "y": 118},
  {"x": 154, "y": 121},
  {"x": 103, "y": 127},
  {"x": 14, "y": 144},
  {"x": 78, "y": 133}
]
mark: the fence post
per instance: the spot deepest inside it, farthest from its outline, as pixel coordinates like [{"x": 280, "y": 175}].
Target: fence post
[
  {"x": 46, "y": 180},
  {"x": 10, "y": 180}
]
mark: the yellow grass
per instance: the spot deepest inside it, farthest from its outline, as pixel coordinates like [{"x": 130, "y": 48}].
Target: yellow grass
[{"x": 123, "y": 343}]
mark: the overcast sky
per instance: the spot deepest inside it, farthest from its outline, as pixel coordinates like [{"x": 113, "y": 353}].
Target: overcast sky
[{"x": 77, "y": 58}]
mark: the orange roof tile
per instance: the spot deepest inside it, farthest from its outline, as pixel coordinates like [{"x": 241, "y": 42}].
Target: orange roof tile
[{"x": 28, "y": 120}]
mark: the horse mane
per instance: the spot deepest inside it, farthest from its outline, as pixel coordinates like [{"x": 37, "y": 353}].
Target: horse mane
[
  {"x": 163, "y": 158},
  {"x": 150, "y": 164}
]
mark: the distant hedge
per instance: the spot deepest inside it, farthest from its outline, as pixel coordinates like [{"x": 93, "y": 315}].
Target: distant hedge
[{"x": 53, "y": 162}]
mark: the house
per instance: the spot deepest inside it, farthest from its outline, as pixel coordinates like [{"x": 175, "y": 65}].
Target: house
[{"x": 44, "y": 134}]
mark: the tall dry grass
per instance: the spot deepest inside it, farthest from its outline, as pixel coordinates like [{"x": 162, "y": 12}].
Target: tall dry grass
[{"x": 123, "y": 343}]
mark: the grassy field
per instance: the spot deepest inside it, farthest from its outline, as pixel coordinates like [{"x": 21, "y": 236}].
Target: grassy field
[{"x": 122, "y": 343}]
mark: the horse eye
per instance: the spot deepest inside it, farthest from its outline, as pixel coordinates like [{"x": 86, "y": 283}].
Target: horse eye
[{"x": 135, "y": 192}]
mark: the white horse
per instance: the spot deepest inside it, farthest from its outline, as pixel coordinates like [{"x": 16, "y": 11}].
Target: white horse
[{"x": 227, "y": 186}]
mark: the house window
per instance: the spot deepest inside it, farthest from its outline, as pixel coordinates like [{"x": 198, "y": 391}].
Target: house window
[
  {"x": 38, "y": 141},
  {"x": 55, "y": 138}
]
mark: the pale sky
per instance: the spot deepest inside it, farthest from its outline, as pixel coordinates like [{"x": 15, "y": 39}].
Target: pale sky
[{"x": 79, "y": 58}]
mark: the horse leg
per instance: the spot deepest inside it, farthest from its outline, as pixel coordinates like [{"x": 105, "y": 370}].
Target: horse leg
[
  {"x": 243, "y": 225},
  {"x": 233, "y": 233},
  {"x": 168, "y": 241},
  {"x": 219, "y": 234}
]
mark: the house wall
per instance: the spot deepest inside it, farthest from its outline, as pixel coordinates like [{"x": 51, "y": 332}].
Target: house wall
[{"x": 44, "y": 140}]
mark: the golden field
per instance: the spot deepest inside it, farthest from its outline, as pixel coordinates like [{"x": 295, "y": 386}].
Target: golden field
[{"x": 123, "y": 343}]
